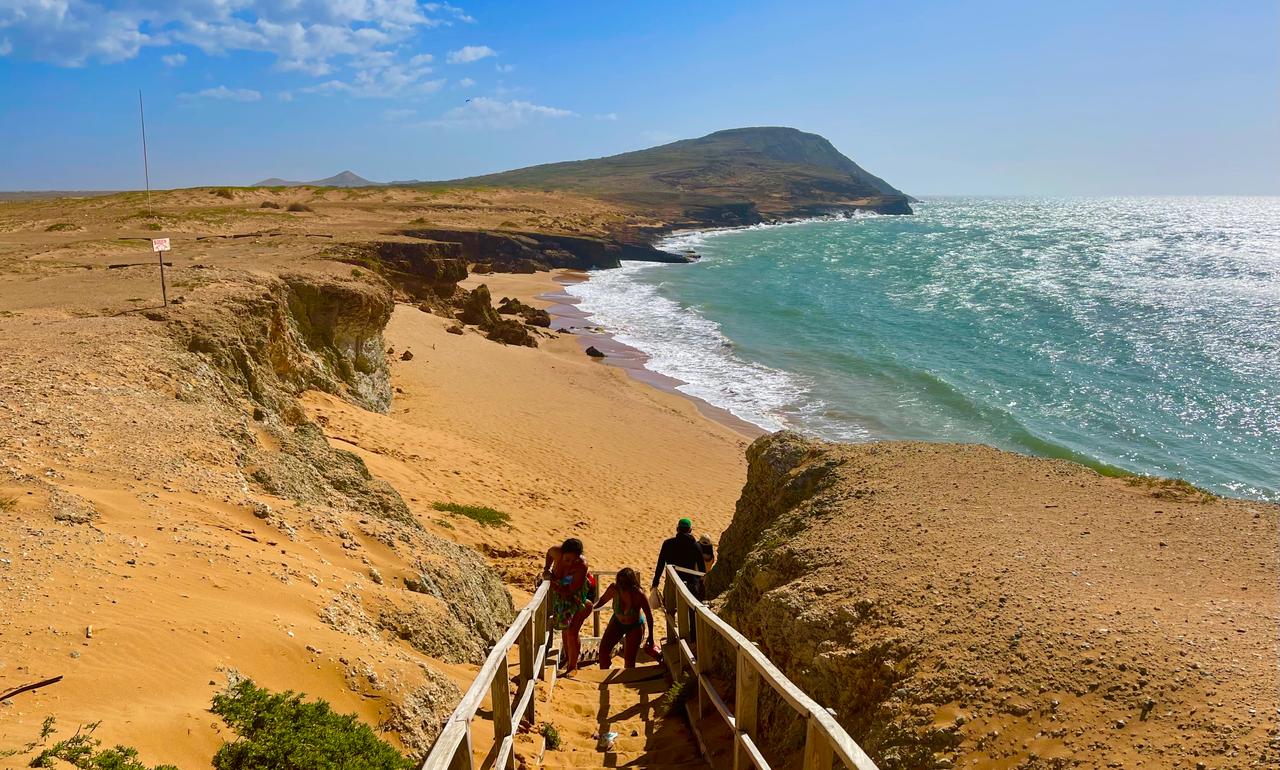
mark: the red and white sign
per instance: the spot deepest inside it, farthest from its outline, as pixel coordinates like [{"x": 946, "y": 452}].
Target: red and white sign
[{"x": 159, "y": 244}]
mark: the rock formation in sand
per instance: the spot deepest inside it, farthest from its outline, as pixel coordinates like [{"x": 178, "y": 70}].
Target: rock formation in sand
[{"x": 960, "y": 606}]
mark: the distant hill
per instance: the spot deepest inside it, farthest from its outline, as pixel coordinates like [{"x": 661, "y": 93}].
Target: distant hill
[
  {"x": 343, "y": 179},
  {"x": 736, "y": 176}
]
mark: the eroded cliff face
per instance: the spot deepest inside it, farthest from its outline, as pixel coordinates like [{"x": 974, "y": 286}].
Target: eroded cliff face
[
  {"x": 164, "y": 458},
  {"x": 278, "y": 336},
  {"x": 957, "y": 605}
]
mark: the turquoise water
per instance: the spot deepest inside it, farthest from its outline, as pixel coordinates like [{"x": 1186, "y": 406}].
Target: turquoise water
[{"x": 1142, "y": 333}]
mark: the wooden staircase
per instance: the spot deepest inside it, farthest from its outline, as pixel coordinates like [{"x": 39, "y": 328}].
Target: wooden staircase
[{"x": 615, "y": 718}]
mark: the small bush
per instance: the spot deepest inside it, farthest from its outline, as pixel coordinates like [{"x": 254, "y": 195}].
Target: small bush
[
  {"x": 356, "y": 272},
  {"x": 151, "y": 226},
  {"x": 675, "y": 696},
  {"x": 81, "y": 751},
  {"x": 8, "y": 503},
  {"x": 483, "y": 515},
  {"x": 223, "y": 192},
  {"x": 296, "y": 206},
  {"x": 278, "y": 731},
  {"x": 62, "y": 227},
  {"x": 269, "y": 205},
  {"x": 549, "y": 731}
]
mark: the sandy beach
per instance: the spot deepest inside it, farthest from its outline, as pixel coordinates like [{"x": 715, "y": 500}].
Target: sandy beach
[{"x": 567, "y": 444}]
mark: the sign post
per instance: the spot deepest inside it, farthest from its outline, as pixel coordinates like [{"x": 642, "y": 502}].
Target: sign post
[{"x": 160, "y": 246}]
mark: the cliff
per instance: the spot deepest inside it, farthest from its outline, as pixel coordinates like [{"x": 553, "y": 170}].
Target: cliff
[
  {"x": 958, "y": 605},
  {"x": 165, "y": 459}
]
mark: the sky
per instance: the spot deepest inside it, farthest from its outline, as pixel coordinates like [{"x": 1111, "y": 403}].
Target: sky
[{"x": 978, "y": 98}]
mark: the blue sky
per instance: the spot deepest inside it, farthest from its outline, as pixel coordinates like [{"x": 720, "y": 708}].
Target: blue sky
[{"x": 936, "y": 97}]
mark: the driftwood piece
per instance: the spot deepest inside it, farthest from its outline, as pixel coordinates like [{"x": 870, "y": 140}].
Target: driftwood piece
[{"x": 29, "y": 687}]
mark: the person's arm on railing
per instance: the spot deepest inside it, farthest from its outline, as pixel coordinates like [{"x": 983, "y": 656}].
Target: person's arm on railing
[
  {"x": 606, "y": 596},
  {"x": 648, "y": 615},
  {"x": 662, "y": 562}
]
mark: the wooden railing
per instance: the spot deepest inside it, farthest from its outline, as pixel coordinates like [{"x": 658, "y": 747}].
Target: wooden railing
[
  {"x": 825, "y": 739},
  {"x": 531, "y": 633}
]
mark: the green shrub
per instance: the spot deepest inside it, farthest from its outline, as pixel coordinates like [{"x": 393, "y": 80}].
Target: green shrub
[
  {"x": 296, "y": 206},
  {"x": 81, "y": 751},
  {"x": 62, "y": 227},
  {"x": 269, "y": 205},
  {"x": 151, "y": 226},
  {"x": 551, "y": 734},
  {"x": 480, "y": 514},
  {"x": 675, "y": 696},
  {"x": 223, "y": 192},
  {"x": 278, "y": 731},
  {"x": 356, "y": 272}
]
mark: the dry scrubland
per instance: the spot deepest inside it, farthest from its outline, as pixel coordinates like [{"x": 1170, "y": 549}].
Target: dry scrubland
[
  {"x": 246, "y": 482},
  {"x": 173, "y": 486},
  {"x": 963, "y": 607}
]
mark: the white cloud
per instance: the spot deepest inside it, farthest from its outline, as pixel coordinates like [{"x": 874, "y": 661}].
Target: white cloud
[
  {"x": 607, "y": 116},
  {"x": 398, "y": 114},
  {"x": 466, "y": 83},
  {"x": 483, "y": 112},
  {"x": 446, "y": 10},
  {"x": 174, "y": 60},
  {"x": 305, "y": 35},
  {"x": 505, "y": 68},
  {"x": 226, "y": 94},
  {"x": 470, "y": 53}
]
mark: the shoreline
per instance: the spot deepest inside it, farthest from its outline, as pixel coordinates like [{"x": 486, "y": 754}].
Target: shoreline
[{"x": 563, "y": 309}]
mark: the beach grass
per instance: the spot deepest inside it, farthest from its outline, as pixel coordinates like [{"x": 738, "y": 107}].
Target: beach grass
[
  {"x": 8, "y": 503},
  {"x": 481, "y": 514}
]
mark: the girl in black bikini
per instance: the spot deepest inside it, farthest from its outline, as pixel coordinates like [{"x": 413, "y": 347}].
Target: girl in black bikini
[{"x": 626, "y": 624}]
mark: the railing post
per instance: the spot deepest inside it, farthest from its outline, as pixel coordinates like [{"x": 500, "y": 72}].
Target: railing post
[
  {"x": 703, "y": 642},
  {"x": 746, "y": 707},
  {"x": 462, "y": 759},
  {"x": 595, "y": 614},
  {"x": 500, "y": 692},
  {"x": 682, "y": 612},
  {"x": 527, "y": 654},
  {"x": 817, "y": 748},
  {"x": 540, "y": 634}
]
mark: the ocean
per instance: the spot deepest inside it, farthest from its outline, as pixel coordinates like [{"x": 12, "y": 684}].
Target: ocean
[{"x": 1140, "y": 334}]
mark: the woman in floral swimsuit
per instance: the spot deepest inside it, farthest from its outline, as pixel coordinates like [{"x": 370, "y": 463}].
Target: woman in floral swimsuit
[{"x": 571, "y": 593}]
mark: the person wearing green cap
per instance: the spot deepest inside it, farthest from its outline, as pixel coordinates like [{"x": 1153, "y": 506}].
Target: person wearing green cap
[{"x": 683, "y": 551}]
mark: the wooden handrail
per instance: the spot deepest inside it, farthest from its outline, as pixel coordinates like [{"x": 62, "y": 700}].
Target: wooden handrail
[
  {"x": 452, "y": 749},
  {"x": 825, "y": 739}
]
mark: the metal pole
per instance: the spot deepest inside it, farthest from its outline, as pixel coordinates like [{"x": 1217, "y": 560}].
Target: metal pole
[{"x": 146, "y": 173}]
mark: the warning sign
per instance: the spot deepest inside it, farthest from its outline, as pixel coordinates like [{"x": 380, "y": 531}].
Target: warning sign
[{"x": 159, "y": 244}]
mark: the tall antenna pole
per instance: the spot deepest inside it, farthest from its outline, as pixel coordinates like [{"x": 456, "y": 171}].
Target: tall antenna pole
[{"x": 146, "y": 173}]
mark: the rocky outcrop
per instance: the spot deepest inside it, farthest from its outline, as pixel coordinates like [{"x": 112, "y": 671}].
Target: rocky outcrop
[
  {"x": 530, "y": 314},
  {"x": 960, "y": 605},
  {"x": 426, "y": 273},
  {"x": 522, "y": 252},
  {"x": 281, "y": 336},
  {"x": 477, "y": 310}
]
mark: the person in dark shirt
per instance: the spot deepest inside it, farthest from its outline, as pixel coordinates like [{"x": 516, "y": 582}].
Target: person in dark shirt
[{"x": 684, "y": 551}]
